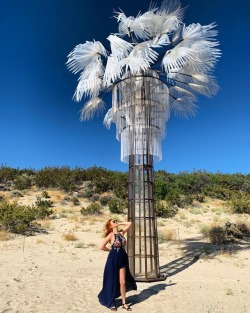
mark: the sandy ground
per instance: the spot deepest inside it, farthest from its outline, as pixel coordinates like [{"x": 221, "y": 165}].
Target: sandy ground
[{"x": 47, "y": 274}]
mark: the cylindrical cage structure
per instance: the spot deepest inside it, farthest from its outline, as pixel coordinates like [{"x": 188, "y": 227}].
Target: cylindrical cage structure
[
  {"x": 142, "y": 236},
  {"x": 140, "y": 110}
]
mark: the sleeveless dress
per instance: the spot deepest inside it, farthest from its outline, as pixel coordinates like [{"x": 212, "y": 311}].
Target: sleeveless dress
[{"x": 116, "y": 260}]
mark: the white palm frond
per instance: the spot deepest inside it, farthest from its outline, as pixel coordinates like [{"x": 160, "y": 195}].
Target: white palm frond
[
  {"x": 209, "y": 90},
  {"x": 144, "y": 50},
  {"x": 180, "y": 92},
  {"x": 198, "y": 32},
  {"x": 183, "y": 107},
  {"x": 90, "y": 81},
  {"x": 160, "y": 41},
  {"x": 131, "y": 24},
  {"x": 112, "y": 72},
  {"x": 85, "y": 54},
  {"x": 94, "y": 105},
  {"x": 120, "y": 48},
  {"x": 135, "y": 65},
  {"x": 177, "y": 58},
  {"x": 108, "y": 118}
]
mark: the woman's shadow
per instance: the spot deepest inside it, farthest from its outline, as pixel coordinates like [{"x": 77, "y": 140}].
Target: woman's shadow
[{"x": 145, "y": 294}]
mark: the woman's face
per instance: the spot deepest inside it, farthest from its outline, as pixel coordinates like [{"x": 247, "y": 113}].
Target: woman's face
[{"x": 113, "y": 223}]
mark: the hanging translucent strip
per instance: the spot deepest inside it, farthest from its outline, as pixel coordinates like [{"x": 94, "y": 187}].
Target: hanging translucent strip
[{"x": 140, "y": 111}]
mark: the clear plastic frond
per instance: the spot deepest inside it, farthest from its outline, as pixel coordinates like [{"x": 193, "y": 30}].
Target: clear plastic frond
[
  {"x": 85, "y": 54},
  {"x": 182, "y": 107},
  {"x": 93, "y": 106},
  {"x": 120, "y": 48}
]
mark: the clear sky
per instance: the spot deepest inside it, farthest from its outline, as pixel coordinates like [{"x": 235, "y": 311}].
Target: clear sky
[{"x": 39, "y": 122}]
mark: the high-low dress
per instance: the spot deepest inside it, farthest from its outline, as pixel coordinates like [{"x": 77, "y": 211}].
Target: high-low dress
[{"x": 116, "y": 260}]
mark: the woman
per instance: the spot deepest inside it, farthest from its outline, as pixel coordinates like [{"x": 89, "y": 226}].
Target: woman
[{"x": 117, "y": 278}]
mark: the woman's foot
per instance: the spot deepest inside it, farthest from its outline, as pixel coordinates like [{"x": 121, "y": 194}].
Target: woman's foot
[
  {"x": 126, "y": 307},
  {"x": 113, "y": 308}
]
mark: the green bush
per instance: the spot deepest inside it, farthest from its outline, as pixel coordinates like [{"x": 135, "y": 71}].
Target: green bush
[
  {"x": 229, "y": 232},
  {"x": 75, "y": 201},
  {"x": 45, "y": 194},
  {"x": 104, "y": 200},
  {"x": 23, "y": 181},
  {"x": 17, "y": 218},
  {"x": 43, "y": 203},
  {"x": 165, "y": 210},
  {"x": 86, "y": 193},
  {"x": 116, "y": 205},
  {"x": 92, "y": 209},
  {"x": 95, "y": 197},
  {"x": 175, "y": 197},
  {"x": 240, "y": 204},
  {"x": 217, "y": 235}
]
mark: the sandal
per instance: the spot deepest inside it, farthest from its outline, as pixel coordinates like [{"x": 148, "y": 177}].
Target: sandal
[
  {"x": 113, "y": 308},
  {"x": 128, "y": 308}
]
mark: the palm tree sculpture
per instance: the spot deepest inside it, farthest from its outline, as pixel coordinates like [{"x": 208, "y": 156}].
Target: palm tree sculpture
[{"x": 160, "y": 69}]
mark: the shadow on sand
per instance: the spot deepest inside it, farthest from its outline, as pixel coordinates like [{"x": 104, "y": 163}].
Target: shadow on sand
[
  {"x": 194, "y": 249},
  {"x": 145, "y": 294}
]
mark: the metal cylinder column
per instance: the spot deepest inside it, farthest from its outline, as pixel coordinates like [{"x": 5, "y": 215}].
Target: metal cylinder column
[{"x": 142, "y": 236}]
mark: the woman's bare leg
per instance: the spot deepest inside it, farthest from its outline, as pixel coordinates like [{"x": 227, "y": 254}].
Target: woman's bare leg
[{"x": 122, "y": 276}]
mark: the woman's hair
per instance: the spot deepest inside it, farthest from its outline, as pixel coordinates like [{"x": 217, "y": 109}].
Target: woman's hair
[{"x": 108, "y": 228}]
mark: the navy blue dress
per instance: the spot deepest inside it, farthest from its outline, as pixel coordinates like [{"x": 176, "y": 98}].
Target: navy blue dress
[{"x": 116, "y": 260}]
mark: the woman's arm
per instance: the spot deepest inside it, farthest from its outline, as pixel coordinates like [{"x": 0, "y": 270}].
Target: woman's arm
[
  {"x": 104, "y": 243},
  {"x": 127, "y": 225}
]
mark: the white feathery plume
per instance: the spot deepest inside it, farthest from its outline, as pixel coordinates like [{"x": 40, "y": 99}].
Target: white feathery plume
[
  {"x": 181, "y": 92},
  {"x": 131, "y": 24},
  {"x": 120, "y": 48},
  {"x": 85, "y": 54},
  {"x": 108, "y": 118},
  {"x": 135, "y": 65},
  {"x": 90, "y": 81},
  {"x": 178, "y": 57},
  {"x": 112, "y": 72},
  {"x": 91, "y": 107},
  {"x": 144, "y": 50},
  {"x": 183, "y": 107},
  {"x": 186, "y": 65}
]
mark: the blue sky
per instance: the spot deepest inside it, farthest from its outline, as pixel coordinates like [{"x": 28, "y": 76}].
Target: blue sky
[{"x": 39, "y": 122}]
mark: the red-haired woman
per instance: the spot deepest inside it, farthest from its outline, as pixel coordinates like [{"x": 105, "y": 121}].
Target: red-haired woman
[{"x": 117, "y": 278}]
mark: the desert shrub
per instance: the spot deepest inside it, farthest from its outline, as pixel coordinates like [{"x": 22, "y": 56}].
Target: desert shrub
[
  {"x": 165, "y": 210},
  {"x": 95, "y": 197},
  {"x": 175, "y": 197},
  {"x": 240, "y": 203},
  {"x": 45, "y": 194},
  {"x": 8, "y": 174},
  {"x": 16, "y": 193},
  {"x": 75, "y": 201},
  {"x": 69, "y": 237},
  {"x": 86, "y": 193},
  {"x": 92, "y": 209},
  {"x": 200, "y": 197},
  {"x": 16, "y": 218},
  {"x": 217, "y": 235},
  {"x": 244, "y": 229},
  {"x": 104, "y": 200},
  {"x": 23, "y": 181},
  {"x": 43, "y": 208},
  {"x": 116, "y": 205},
  {"x": 229, "y": 232},
  {"x": 43, "y": 203},
  {"x": 166, "y": 235}
]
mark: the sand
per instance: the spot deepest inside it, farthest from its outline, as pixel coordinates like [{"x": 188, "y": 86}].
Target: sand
[{"x": 47, "y": 274}]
